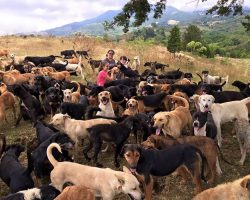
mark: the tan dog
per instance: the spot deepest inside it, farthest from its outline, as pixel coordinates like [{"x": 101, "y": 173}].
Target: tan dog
[
  {"x": 105, "y": 105},
  {"x": 206, "y": 145},
  {"x": 73, "y": 60},
  {"x": 14, "y": 77},
  {"x": 104, "y": 182},
  {"x": 42, "y": 70},
  {"x": 76, "y": 129},
  {"x": 61, "y": 76},
  {"x": 237, "y": 190},
  {"x": 183, "y": 81},
  {"x": 76, "y": 193},
  {"x": 70, "y": 96},
  {"x": 177, "y": 101},
  {"x": 4, "y": 52},
  {"x": 7, "y": 100},
  {"x": 132, "y": 107},
  {"x": 173, "y": 122}
]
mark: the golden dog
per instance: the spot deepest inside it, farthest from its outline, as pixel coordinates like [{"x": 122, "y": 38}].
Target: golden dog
[
  {"x": 132, "y": 107},
  {"x": 7, "y": 100},
  {"x": 75, "y": 193},
  {"x": 60, "y": 76},
  {"x": 14, "y": 77},
  {"x": 173, "y": 122},
  {"x": 42, "y": 70},
  {"x": 237, "y": 190}
]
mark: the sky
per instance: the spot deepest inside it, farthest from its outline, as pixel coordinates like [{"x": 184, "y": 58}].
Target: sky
[{"x": 19, "y": 16}]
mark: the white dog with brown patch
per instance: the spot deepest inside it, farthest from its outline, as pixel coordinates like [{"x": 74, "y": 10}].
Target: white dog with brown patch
[
  {"x": 105, "y": 105},
  {"x": 223, "y": 112},
  {"x": 104, "y": 182}
]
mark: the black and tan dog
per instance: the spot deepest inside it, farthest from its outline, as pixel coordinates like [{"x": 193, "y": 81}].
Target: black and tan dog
[
  {"x": 148, "y": 162},
  {"x": 206, "y": 145}
]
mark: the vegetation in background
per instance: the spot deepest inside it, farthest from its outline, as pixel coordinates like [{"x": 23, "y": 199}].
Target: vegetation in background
[{"x": 174, "y": 41}]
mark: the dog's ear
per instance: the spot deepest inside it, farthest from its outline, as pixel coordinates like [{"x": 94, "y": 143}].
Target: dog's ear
[
  {"x": 121, "y": 182},
  {"x": 245, "y": 183},
  {"x": 213, "y": 99},
  {"x": 65, "y": 116}
]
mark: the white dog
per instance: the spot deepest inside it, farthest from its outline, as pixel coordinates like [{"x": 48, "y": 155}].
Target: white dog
[
  {"x": 136, "y": 63},
  {"x": 105, "y": 105},
  {"x": 223, "y": 112},
  {"x": 103, "y": 182},
  {"x": 207, "y": 78}
]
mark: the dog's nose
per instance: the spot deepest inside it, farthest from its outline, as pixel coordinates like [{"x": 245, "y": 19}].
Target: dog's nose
[{"x": 196, "y": 124}]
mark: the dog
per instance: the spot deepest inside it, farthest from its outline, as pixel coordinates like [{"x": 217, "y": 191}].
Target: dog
[
  {"x": 104, "y": 182},
  {"x": 207, "y": 78},
  {"x": 68, "y": 53},
  {"x": 117, "y": 133},
  {"x": 94, "y": 63},
  {"x": 12, "y": 172},
  {"x": 136, "y": 63},
  {"x": 203, "y": 125},
  {"x": 132, "y": 107},
  {"x": 238, "y": 189},
  {"x": 206, "y": 145},
  {"x": 223, "y": 112},
  {"x": 61, "y": 76},
  {"x": 46, "y": 192},
  {"x": 42, "y": 70},
  {"x": 29, "y": 105},
  {"x": 105, "y": 105},
  {"x": 74, "y": 110},
  {"x": 173, "y": 122},
  {"x": 76, "y": 129},
  {"x": 70, "y": 96},
  {"x": 40, "y": 60},
  {"x": 7, "y": 100},
  {"x": 242, "y": 128},
  {"x": 151, "y": 102},
  {"x": 76, "y": 192},
  {"x": 52, "y": 101},
  {"x": 42, "y": 167},
  {"x": 146, "y": 163}
]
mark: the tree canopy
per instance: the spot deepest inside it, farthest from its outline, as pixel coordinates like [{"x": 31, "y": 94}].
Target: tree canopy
[
  {"x": 140, "y": 9},
  {"x": 174, "y": 41}
]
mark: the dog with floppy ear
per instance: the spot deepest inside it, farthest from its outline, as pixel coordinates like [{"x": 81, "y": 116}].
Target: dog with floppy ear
[
  {"x": 132, "y": 107},
  {"x": 104, "y": 182},
  {"x": 70, "y": 96},
  {"x": 239, "y": 189},
  {"x": 105, "y": 105}
]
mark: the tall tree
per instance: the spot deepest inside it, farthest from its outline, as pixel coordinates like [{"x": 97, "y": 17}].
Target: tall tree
[
  {"x": 192, "y": 33},
  {"x": 246, "y": 24},
  {"x": 174, "y": 41},
  {"x": 140, "y": 9}
]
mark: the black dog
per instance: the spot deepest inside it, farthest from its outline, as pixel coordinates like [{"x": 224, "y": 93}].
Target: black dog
[
  {"x": 126, "y": 81},
  {"x": 52, "y": 101},
  {"x": 74, "y": 110},
  {"x": 94, "y": 63},
  {"x": 29, "y": 105},
  {"x": 128, "y": 72},
  {"x": 68, "y": 53},
  {"x": 175, "y": 74},
  {"x": 41, "y": 165},
  {"x": 46, "y": 192},
  {"x": 117, "y": 133},
  {"x": 153, "y": 79},
  {"x": 12, "y": 172},
  {"x": 40, "y": 60},
  {"x": 204, "y": 125},
  {"x": 83, "y": 53},
  {"x": 156, "y": 65},
  {"x": 147, "y": 90},
  {"x": 44, "y": 131},
  {"x": 148, "y": 163}
]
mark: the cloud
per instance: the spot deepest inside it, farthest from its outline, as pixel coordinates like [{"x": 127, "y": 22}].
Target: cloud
[{"x": 36, "y": 15}]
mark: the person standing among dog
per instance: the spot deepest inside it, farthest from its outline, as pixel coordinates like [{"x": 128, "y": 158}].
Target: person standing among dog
[
  {"x": 110, "y": 58},
  {"x": 103, "y": 75}
]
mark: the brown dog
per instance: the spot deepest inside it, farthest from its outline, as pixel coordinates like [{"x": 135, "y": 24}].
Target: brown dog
[
  {"x": 173, "y": 122},
  {"x": 64, "y": 75},
  {"x": 7, "y": 100},
  {"x": 76, "y": 192},
  {"x": 206, "y": 145},
  {"x": 132, "y": 107},
  {"x": 4, "y": 52},
  {"x": 14, "y": 77},
  {"x": 181, "y": 94},
  {"x": 237, "y": 190},
  {"x": 42, "y": 70}
]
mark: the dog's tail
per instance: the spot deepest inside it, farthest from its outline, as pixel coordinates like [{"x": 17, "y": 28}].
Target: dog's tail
[
  {"x": 200, "y": 77},
  {"x": 185, "y": 102},
  {"x": 246, "y": 100},
  {"x": 51, "y": 158},
  {"x": 78, "y": 86}
]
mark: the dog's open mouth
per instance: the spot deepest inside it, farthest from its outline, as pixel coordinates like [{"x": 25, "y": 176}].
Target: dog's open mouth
[
  {"x": 158, "y": 130},
  {"x": 132, "y": 169},
  {"x": 104, "y": 100},
  {"x": 132, "y": 197}
]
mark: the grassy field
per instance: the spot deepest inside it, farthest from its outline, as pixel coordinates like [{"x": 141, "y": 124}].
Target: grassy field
[{"x": 170, "y": 187}]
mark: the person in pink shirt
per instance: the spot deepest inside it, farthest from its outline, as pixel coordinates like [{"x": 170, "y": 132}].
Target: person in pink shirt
[{"x": 103, "y": 75}]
